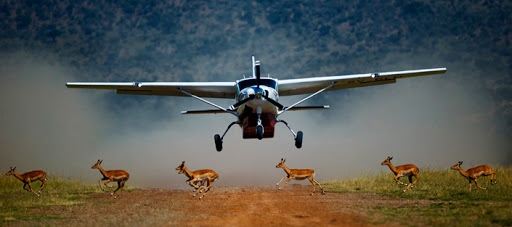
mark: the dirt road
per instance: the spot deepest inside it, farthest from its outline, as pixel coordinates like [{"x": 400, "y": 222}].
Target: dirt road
[{"x": 261, "y": 206}]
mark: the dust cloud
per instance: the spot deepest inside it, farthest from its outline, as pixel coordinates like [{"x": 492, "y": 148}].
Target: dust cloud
[
  {"x": 43, "y": 125},
  {"x": 431, "y": 122}
]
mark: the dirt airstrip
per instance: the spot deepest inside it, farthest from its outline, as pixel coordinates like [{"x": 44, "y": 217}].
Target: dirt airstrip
[{"x": 261, "y": 206}]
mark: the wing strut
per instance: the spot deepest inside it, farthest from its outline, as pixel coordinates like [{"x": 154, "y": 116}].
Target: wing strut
[
  {"x": 207, "y": 102},
  {"x": 299, "y": 102}
]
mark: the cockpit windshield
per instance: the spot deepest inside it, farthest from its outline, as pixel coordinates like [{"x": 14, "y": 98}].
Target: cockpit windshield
[{"x": 252, "y": 82}]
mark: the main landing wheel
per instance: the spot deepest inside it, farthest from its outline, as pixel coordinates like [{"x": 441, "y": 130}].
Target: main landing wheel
[
  {"x": 259, "y": 132},
  {"x": 298, "y": 139},
  {"x": 218, "y": 142}
]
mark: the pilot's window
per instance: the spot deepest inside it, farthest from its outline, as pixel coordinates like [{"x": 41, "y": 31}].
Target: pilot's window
[{"x": 252, "y": 82}]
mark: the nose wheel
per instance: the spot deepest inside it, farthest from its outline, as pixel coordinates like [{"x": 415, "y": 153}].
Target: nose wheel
[{"x": 259, "y": 131}]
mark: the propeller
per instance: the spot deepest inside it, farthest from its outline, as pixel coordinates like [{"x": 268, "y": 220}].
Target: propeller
[
  {"x": 236, "y": 105},
  {"x": 274, "y": 102},
  {"x": 257, "y": 73},
  {"x": 257, "y": 66},
  {"x": 251, "y": 97}
]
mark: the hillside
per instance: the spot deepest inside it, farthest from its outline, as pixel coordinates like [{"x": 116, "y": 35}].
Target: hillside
[{"x": 151, "y": 40}]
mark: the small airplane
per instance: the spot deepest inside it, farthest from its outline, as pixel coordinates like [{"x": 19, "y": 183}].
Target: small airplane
[{"x": 256, "y": 107}]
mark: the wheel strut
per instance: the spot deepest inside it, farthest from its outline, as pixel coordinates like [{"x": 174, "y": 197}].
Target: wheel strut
[
  {"x": 218, "y": 139},
  {"x": 297, "y": 136}
]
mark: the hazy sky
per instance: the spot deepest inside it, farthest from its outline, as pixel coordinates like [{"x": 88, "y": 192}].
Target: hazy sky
[{"x": 432, "y": 122}]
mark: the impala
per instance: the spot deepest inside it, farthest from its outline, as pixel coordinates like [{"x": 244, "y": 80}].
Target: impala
[
  {"x": 298, "y": 174},
  {"x": 408, "y": 170},
  {"x": 198, "y": 176},
  {"x": 473, "y": 173},
  {"x": 119, "y": 176},
  {"x": 29, "y": 177}
]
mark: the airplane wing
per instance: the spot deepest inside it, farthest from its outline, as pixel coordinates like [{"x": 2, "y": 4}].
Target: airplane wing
[
  {"x": 313, "y": 84},
  {"x": 202, "y": 89}
]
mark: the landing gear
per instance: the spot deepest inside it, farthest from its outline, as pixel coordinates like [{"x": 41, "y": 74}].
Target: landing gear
[
  {"x": 259, "y": 131},
  {"x": 298, "y": 135},
  {"x": 218, "y": 139},
  {"x": 218, "y": 142},
  {"x": 259, "y": 128},
  {"x": 298, "y": 140}
]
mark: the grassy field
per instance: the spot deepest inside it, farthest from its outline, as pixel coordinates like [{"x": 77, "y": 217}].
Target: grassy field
[
  {"x": 441, "y": 197},
  {"x": 15, "y": 202},
  {"x": 450, "y": 201}
]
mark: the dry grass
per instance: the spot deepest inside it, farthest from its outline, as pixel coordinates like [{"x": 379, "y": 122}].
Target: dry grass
[
  {"x": 453, "y": 203},
  {"x": 16, "y": 202}
]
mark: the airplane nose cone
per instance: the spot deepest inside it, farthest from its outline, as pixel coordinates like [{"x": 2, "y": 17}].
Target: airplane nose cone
[{"x": 258, "y": 92}]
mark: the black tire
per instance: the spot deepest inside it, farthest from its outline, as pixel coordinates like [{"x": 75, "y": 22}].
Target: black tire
[
  {"x": 218, "y": 142},
  {"x": 259, "y": 132},
  {"x": 298, "y": 140}
]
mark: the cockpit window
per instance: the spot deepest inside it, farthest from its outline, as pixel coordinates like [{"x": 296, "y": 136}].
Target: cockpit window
[{"x": 252, "y": 82}]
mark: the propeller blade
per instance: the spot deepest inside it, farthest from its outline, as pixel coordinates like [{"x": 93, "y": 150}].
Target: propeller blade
[
  {"x": 236, "y": 105},
  {"x": 257, "y": 75},
  {"x": 273, "y": 102}
]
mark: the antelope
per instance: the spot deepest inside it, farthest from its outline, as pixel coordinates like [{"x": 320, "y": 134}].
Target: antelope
[
  {"x": 29, "y": 177},
  {"x": 298, "y": 174},
  {"x": 408, "y": 170},
  {"x": 473, "y": 173},
  {"x": 198, "y": 176},
  {"x": 119, "y": 176}
]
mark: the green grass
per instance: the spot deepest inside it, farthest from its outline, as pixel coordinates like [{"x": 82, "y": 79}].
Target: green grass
[
  {"x": 448, "y": 193},
  {"x": 15, "y": 202}
]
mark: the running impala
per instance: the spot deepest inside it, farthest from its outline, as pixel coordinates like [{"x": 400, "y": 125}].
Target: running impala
[
  {"x": 29, "y": 177},
  {"x": 198, "y": 176},
  {"x": 119, "y": 176},
  {"x": 298, "y": 174},
  {"x": 408, "y": 170},
  {"x": 473, "y": 173}
]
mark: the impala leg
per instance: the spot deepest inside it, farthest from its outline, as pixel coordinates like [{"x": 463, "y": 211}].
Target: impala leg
[
  {"x": 286, "y": 182},
  {"x": 108, "y": 181},
  {"x": 469, "y": 185},
  {"x": 42, "y": 186},
  {"x": 478, "y": 186},
  {"x": 100, "y": 185},
  {"x": 202, "y": 185},
  {"x": 196, "y": 188},
  {"x": 193, "y": 183},
  {"x": 120, "y": 187},
  {"x": 397, "y": 179},
  {"x": 411, "y": 184},
  {"x": 493, "y": 175},
  {"x": 313, "y": 183},
  {"x": 209, "y": 183},
  {"x": 30, "y": 188},
  {"x": 323, "y": 192},
  {"x": 280, "y": 181}
]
